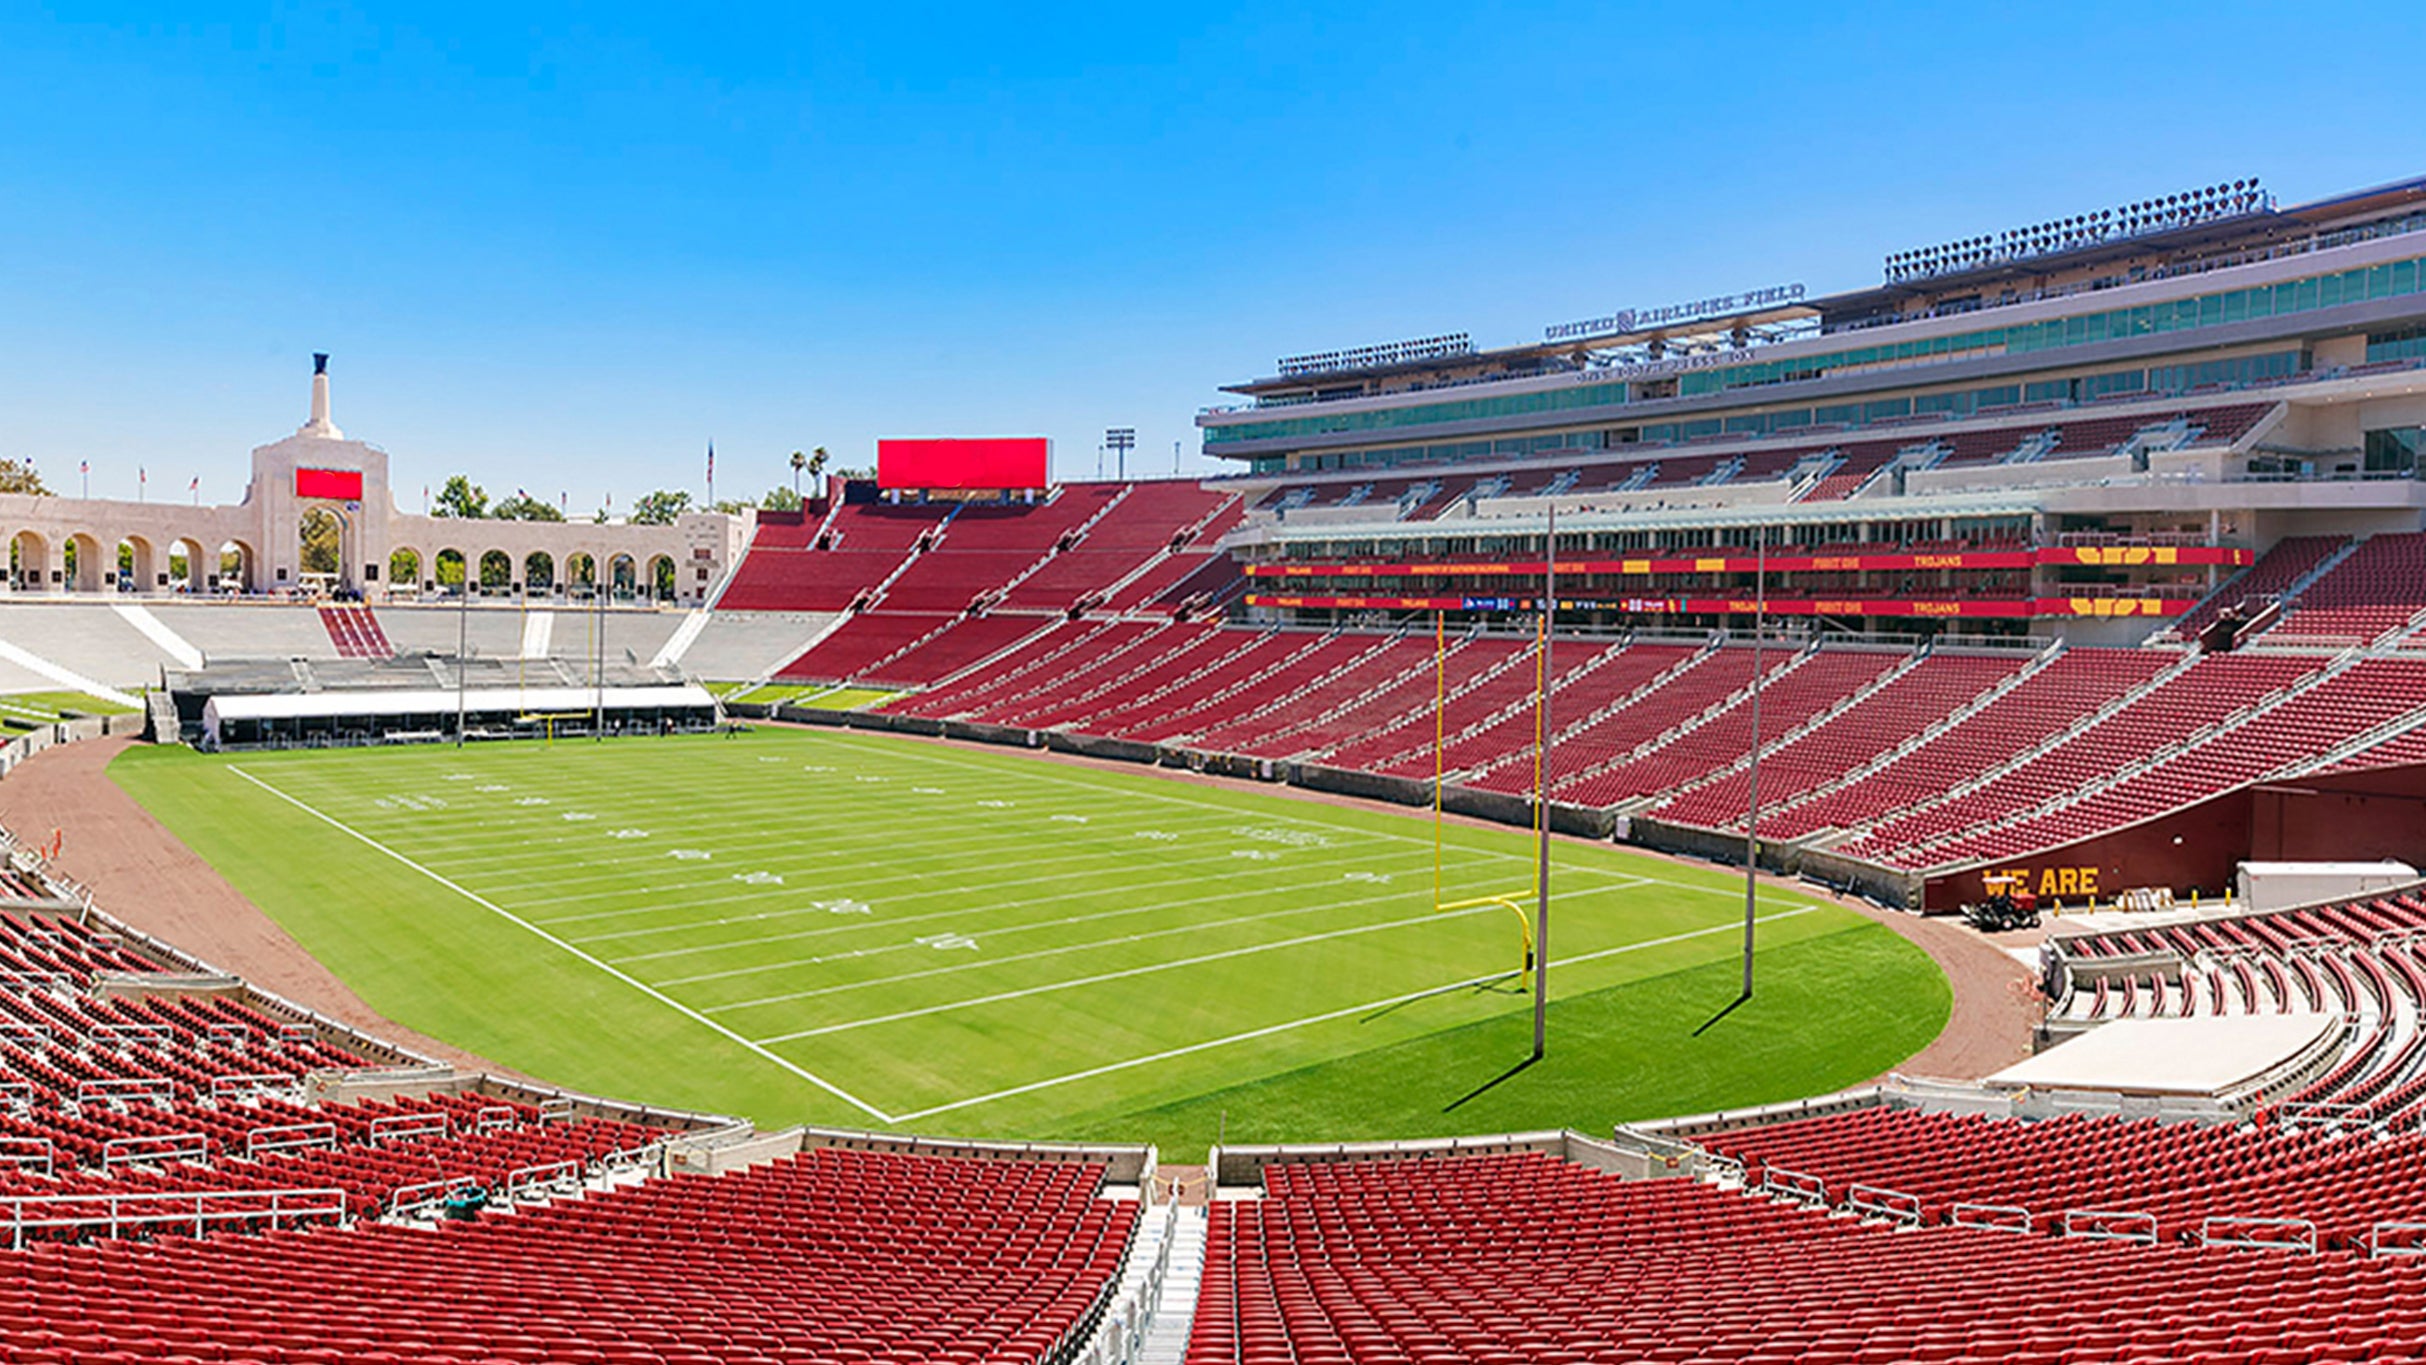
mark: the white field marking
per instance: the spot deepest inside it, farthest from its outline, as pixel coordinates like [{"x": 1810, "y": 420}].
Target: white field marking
[
  {"x": 1267, "y": 1031},
  {"x": 693, "y": 902},
  {"x": 867, "y": 885},
  {"x": 1224, "y": 811},
  {"x": 538, "y": 854},
  {"x": 1002, "y": 931},
  {"x": 1120, "y": 941},
  {"x": 1058, "y": 777},
  {"x": 811, "y": 861},
  {"x": 543, "y": 935},
  {"x": 891, "y": 922},
  {"x": 1099, "y": 978},
  {"x": 1088, "y": 891}
]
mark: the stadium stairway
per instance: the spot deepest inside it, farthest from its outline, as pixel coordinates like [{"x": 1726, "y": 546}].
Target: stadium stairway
[{"x": 1166, "y": 1339}]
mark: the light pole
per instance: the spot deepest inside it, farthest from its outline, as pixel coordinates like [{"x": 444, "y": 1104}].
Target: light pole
[
  {"x": 1541, "y": 870},
  {"x": 1121, "y": 440},
  {"x": 463, "y": 642},
  {"x": 1752, "y": 817}
]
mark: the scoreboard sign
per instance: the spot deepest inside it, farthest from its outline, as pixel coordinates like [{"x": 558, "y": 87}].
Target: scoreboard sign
[
  {"x": 962, "y": 463},
  {"x": 336, "y": 485}
]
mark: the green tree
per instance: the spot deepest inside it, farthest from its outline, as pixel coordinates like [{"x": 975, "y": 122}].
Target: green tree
[
  {"x": 322, "y": 536},
  {"x": 781, "y": 499},
  {"x": 660, "y": 508},
  {"x": 19, "y": 476},
  {"x": 461, "y": 498},
  {"x": 524, "y": 507}
]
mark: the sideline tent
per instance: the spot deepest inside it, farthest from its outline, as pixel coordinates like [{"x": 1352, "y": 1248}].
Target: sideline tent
[{"x": 247, "y": 718}]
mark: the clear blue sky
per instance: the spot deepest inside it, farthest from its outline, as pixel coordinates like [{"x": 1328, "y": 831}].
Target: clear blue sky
[{"x": 562, "y": 248}]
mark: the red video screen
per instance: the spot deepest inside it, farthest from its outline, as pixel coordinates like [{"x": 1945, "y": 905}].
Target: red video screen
[
  {"x": 962, "y": 462},
  {"x": 337, "y": 485}
]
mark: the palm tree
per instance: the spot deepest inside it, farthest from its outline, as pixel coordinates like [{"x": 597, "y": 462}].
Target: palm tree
[
  {"x": 817, "y": 463},
  {"x": 799, "y": 463}
]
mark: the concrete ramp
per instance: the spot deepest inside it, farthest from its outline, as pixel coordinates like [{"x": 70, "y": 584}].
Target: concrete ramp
[
  {"x": 157, "y": 631},
  {"x": 679, "y": 643},
  {"x": 65, "y": 677},
  {"x": 537, "y": 630}
]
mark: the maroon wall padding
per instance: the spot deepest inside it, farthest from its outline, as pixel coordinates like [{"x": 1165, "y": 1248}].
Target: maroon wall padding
[
  {"x": 2356, "y": 817},
  {"x": 2379, "y": 813}
]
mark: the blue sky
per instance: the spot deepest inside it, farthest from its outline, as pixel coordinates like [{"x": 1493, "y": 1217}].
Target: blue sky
[{"x": 562, "y": 248}]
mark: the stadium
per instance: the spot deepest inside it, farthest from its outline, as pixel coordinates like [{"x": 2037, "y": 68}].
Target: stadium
[{"x": 1862, "y": 827}]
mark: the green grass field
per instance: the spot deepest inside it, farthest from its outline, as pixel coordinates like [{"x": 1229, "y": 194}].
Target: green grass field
[
  {"x": 21, "y": 710},
  {"x": 864, "y": 929},
  {"x": 821, "y": 696}
]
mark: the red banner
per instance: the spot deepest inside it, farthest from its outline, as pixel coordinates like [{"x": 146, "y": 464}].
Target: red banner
[
  {"x": 947, "y": 463},
  {"x": 2113, "y": 556},
  {"x": 336, "y": 485},
  {"x": 2004, "y": 607}
]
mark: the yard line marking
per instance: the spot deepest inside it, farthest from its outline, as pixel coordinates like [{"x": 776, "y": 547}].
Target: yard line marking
[
  {"x": 1087, "y": 885},
  {"x": 755, "y": 836},
  {"x": 511, "y": 918},
  {"x": 877, "y": 884},
  {"x": 1119, "y": 941},
  {"x": 1271, "y": 1029},
  {"x": 1149, "y": 969},
  {"x": 1525, "y": 857}
]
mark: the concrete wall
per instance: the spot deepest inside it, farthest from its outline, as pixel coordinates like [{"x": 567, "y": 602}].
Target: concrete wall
[{"x": 266, "y": 531}]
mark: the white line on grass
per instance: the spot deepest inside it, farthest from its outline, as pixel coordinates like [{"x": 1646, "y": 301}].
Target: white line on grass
[
  {"x": 1149, "y": 969},
  {"x": 1122, "y": 940},
  {"x": 1088, "y": 886},
  {"x": 1270, "y": 1029},
  {"x": 511, "y": 918},
  {"x": 1524, "y": 857}
]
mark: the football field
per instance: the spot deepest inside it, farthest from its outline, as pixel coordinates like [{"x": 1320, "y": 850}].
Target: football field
[{"x": 864, "y": 929}]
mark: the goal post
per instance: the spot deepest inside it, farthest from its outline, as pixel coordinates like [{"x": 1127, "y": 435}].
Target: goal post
[{"x": 1515, "y": 902}]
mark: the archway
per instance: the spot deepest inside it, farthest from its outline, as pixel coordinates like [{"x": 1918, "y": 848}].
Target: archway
[
  {"x": 29, "y": 561},
  {"x": 538, "y": 571},
  {"x": 321, "y": 536},
  {"x": 238, "y": 567},
  {"x": 581, "y": 572},
  {"x": 403, "y": 569},
  {"x": 449, "y": 567},
  {"x": 624, "y": 575},
  {"x": 496, "y": 570},
  {"x": 188, "y": 565},
  {"x": 661, "y": 577},
  {"x": 136, "y": 566},
  {"x": 85, "y": 563}
]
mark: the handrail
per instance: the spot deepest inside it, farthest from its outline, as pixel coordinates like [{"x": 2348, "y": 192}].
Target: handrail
[
  {"x": 532, "y": 1182},
  {"x": 287, "y": 1137},
  {"x": 155, "y": 1149},
  {"x": 1778, "y": 1180},
  {"x": 406, "y": 1127},
  {"x": 120, "y": 1210},
  {"x": 124, "y": 1087},
  {"x": 1990, "y": 1217},
  {"x": 409, "y": 1198},
  {"x": 1881, "y": 1202},
  {"x": 254, "y": 1083},
  {"x": 2113, "y": 1225},
  {"x": 2231, "y": 1231},
  {"x": 28, "y": 1151},
  {"x": 2412, "y": 1239}
]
